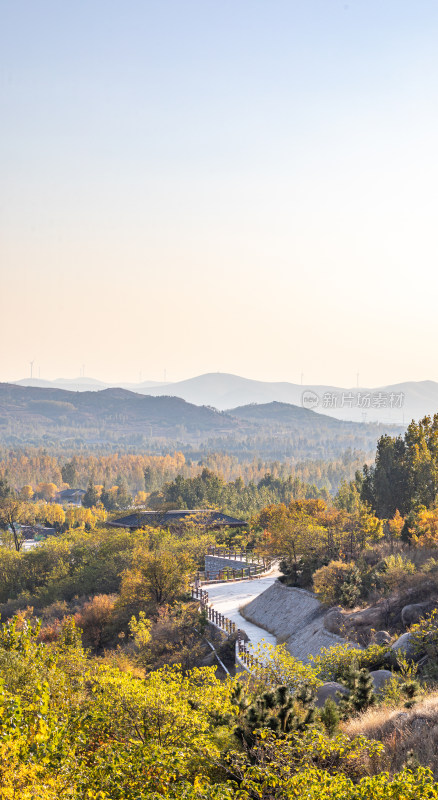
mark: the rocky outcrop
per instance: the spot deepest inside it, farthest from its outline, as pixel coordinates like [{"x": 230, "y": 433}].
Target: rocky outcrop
[
  {"x": 394, "y": 613},
  {"x": 381, "y": 637},
  {"x": 371, "y": 617},
  {"x": 403, "y": 646}
]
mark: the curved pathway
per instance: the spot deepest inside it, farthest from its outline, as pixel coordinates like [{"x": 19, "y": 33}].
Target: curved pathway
[{"x": 228, "y": 597}]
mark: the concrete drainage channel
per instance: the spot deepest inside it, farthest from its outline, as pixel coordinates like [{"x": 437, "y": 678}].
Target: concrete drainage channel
[{"x": 216, "y": 654}]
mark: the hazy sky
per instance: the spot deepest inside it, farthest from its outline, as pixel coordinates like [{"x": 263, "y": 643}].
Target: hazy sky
[{"x": 233, "y": 185}]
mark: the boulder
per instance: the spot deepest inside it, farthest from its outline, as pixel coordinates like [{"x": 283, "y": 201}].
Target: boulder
[
  {"x": 381, "y": 637},
  {"x": 403, "y": 646},
  {"x": 372, "y": 617},
  {"x": 334, "y": 620},
  {"x": 412, "y": 613},
  {"x": 327, "y": 690},
  {"x": 380, "y": 678}
]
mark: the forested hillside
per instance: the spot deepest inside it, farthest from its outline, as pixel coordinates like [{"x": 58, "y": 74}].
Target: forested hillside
[
  {"x": 142, "y": 472},
  {"x": 110, "y": 690},
  {"x": 119, "y": 419}
]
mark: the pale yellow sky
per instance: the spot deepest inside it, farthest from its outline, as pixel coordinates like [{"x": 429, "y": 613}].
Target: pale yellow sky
[{"x": 192, "y": 196}]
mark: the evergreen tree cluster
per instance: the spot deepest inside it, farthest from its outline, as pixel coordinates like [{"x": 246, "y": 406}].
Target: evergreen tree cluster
[
  {"x": 277, "y": 710},
  {"x": 405, "y": 473}
]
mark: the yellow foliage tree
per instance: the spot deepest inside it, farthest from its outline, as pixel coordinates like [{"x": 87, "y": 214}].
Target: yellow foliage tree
[
  {"x": 140, "y": 498},
  {"x": 26, "y": 493},
  {"x": 46, "y": 491},
  {"x": 79, "y": 517},
  {"x": 50, "y": 513},
  {"x": 424, "y": 531}
]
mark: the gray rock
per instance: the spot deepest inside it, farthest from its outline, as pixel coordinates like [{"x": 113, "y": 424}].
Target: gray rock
[
  {"x": 381, "y": 637},
  {"x": 334, "y": 620},
  {"x": 372, "y": 617},
  {"x": 403, "y": 646},
  {"x": 329, "y": 689},
  {"x": 420, "y": 723},
  {"x": 380, "y": 678},
  {"x": 401, "y": 719},
  {"x": 413, "y": 613}
]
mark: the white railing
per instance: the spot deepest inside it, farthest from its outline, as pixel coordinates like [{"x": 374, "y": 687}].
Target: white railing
[{"x": 243, "y": 654}]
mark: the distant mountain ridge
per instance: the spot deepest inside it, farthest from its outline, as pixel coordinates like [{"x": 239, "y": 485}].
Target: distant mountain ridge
[
  {"x": 82, "y": 384},
  {"x": 108, "y": 408},
  {"x": 224, "y": 391},
  {"x": 118, "y": 417}
]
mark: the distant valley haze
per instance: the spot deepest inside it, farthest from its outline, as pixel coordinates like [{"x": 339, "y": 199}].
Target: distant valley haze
[{"x": 396, "y": 403}]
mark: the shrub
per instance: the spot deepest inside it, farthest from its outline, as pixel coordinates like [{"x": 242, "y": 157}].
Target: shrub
[
  {"x": 338, "y": 582},
  {"x": 280, "y": 760},
  {"x": 361, "y": 695},
  {"x": 94, "y": 619},
  {"x": 171, "y": 639},
  {"x": 335, "y": 663},
  {"x": 278, "y": 711},
  {"x": 140, "y": 630},
  {"x": 273, "y": 665},
  {"x": 54, "y": 612},
  {"x": 394, "y": 570},
  {"x": 330, "y": 716},
  {"x": 425, "y": 637}
]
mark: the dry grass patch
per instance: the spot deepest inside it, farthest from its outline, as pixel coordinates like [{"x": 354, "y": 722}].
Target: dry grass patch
[{"x": 404, "y": 733}]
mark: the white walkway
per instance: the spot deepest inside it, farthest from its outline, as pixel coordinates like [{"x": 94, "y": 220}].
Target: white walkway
[{"x": 227, "y": 598}]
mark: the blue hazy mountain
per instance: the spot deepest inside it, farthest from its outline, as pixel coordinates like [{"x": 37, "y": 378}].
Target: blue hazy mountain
[{"x": 396, "y": 403}]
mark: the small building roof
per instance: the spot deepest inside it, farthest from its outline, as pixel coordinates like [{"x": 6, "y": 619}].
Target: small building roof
[
  {"x": 70, "y": 494},
  {"x": 206, "y": 517}
]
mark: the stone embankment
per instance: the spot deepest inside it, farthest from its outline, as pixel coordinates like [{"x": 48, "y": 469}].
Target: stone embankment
[{"x": 293, "y": 616}]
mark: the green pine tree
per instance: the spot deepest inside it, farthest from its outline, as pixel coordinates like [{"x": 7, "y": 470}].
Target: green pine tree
[
  {"x": 91, "y": 497},
  {"x": 277, "y": 710},
  {"x": 361, "y": 695},
  {"x": 330, "y": 716}
]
